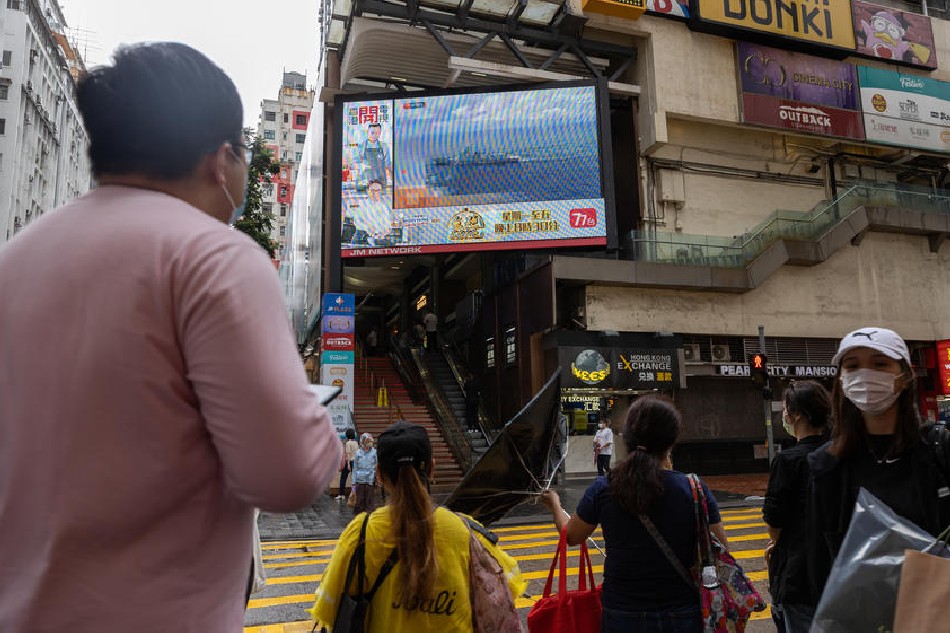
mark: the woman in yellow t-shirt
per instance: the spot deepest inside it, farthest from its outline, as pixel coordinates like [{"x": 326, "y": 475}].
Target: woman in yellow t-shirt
[{"x": 428, "y": 589}]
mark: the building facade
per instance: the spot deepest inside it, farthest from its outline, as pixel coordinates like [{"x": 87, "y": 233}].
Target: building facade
[
  {"x": 43, "y": 158},
  {"x": 283, "y": 127},
  {"x": 764, "y": 170}
]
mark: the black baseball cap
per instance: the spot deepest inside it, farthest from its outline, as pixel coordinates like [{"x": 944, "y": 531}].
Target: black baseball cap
[{"x": 403, "y": 443}]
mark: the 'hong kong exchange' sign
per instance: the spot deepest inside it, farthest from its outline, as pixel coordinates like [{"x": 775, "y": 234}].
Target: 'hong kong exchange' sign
[
  {"x": 782, "y": 371},
  {"x": 617, "y": 368},
  {"x": 823, "y": 22},
  {"x": 799, "y": 92}
]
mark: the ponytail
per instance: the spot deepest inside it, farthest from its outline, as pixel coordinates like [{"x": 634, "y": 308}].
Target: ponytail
[
  {"x": 636, "y": 482},
  {"x": 650, "y": 431},
  {"x": 414, "y": 527}
]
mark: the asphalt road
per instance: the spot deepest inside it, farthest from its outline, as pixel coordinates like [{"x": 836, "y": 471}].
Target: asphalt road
[{"x": 294, "y": 570}]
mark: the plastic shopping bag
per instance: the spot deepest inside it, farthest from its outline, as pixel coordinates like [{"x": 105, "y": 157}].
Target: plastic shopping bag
[{"x": 861, "y": 593}]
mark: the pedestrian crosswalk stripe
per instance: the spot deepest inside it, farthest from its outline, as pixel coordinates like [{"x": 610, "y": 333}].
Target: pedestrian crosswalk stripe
[
  {"x": 743, "y": 526},
  {"x": 297, "y": 563}
]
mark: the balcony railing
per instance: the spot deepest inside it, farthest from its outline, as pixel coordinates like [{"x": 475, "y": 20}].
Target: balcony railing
[{"x": 738, "y": 251}]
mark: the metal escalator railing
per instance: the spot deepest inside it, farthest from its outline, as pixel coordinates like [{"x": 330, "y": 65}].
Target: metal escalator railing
[
  {"x": 486, "y": 424},
  {"x": 459, "y": 443}
]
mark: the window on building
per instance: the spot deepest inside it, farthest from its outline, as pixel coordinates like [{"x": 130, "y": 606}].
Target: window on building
[
  {"x": 298, "y": 157},
  {"x": 283, "y": 210},
  {"x": 283, "y": 231},
  {"x": 7, "y": 58},
  {"x": 4, "y": 92},
  {"x": 286, "y": 118},
  {"x": 3, "y": 126},
  {"x": 270, "y": 135},
  {"x": 268, "y": 189},
  {"x": 270, "y": 116},
  {"x": 284, "y": 135},
  {"x": 268, "y": 207},
  {"x": 511, "y": 347},
  {"x": 301, "y": 119},
  {"x": 16, "y": 5},
  {"x": 283, "y": 192},
  {"x": 489, "y": 352},
  {"x": 301, "y": 139}
]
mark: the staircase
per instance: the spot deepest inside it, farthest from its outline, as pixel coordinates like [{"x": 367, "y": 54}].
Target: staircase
[{"x": 372, "y": 419}]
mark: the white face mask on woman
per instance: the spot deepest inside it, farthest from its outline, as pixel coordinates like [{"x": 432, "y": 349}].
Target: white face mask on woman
[{"x": 870, "y": 390}]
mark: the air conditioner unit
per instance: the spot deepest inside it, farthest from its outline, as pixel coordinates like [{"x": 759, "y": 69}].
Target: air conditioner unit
[
  {"x": 720, "y": 353},
  {"x": 691, "y": 353}
]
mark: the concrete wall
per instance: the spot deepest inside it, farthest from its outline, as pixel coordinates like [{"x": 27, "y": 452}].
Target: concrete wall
[{"x": 889, "y": 280}]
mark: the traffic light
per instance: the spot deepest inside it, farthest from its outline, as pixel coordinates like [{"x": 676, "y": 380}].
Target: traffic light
[{"x": 759, "y": 369}]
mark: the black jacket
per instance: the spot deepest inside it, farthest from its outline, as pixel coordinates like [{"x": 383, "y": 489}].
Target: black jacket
[
  {"x": 833, "y": 492},
  {"x": 785, "y": 508}
]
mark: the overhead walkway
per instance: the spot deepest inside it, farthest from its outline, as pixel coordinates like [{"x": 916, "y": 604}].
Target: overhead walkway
[{"x": 786, "y": 238}]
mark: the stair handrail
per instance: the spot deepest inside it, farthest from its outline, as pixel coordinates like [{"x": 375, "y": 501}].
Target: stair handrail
[
  {"x": 403, "y": 368},
  {"x": 459, "y": 443}
]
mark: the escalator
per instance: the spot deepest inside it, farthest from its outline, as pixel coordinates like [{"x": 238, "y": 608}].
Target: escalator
[{"x": 449, "y": 377}]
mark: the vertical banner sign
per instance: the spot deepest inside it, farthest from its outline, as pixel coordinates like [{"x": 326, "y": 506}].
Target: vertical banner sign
[
  {"x": 943, "y": 367},
  {"x": 905, "y": 110},
  {"x": 895, "y": 36},
  {"x": 793, "y": 91},
  {"x": 338, "y": 351}
]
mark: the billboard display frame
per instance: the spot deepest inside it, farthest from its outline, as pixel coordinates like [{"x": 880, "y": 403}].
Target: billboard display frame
[
  {"x": 901, "y": 34},
  {"x": 335, "y": 177},
  {"x": 921, "y": 118}
]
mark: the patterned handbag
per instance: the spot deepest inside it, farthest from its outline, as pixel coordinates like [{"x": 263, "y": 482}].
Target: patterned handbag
[
  {"x": 493, "y": 608},
  {"x": 727, "y": 596}
]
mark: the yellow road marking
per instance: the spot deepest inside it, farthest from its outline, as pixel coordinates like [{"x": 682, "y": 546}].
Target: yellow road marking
[
  {"x": 297, "y": 563},
  {"x": 748, "y": 537},
  {"x": 260, "y": 603},
  {"x": 282, "y": 627},
  {"x": 289, "y": 580},
  {"x": 742, "y": 526}
]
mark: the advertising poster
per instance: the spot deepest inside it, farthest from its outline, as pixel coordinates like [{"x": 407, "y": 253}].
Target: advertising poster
[
  {"x": 794, "y": 91},
  {"x": 472, "y": 172},
  {"x": 822, "y": 22},
  {"x": 943, "y": 367},
  {"x": 893, "y": 35},
  {"x": 338, "y": 352},
  {"x": 905, "y": 110},
  {"x": 671, "y": 8}
]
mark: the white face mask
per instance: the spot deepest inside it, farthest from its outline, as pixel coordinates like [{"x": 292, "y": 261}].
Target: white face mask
[
  {"x": 870, "y": 390},
  {"x": 787, "y": 424}
]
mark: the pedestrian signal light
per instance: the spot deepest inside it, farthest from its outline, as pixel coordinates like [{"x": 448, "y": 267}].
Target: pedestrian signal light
[{"x": 759, "y": 369}]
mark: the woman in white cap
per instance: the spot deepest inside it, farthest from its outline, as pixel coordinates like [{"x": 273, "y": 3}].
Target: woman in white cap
[{"x": 877, "y": 443}]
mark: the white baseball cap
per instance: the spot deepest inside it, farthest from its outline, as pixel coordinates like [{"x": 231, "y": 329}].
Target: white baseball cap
[{"x": 888, "y": 342}]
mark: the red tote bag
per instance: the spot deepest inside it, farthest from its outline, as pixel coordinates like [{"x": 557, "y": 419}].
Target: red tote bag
[{"x": 568, "y": 611}]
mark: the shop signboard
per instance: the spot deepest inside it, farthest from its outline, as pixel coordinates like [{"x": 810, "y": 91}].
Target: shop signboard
[
  {"x": 892, "y": 35},
  {"x": 943, "y": 367},
  {"x": 617, "y": 368},
  {"x": 793, "y": 91},
  {"x": 737, "y": 370},
  {"x": 825, "y": 23},
  {"x": 337, "y": 353},
  {"x": 905, "y": 110}
]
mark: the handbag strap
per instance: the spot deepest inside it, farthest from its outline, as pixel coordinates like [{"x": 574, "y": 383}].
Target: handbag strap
[
  {"x": 585, "y": 569},
  {"x": 667, "y": 551},
  {"x": 358, "y": 563},
  {"x": 701, "y": 511}
]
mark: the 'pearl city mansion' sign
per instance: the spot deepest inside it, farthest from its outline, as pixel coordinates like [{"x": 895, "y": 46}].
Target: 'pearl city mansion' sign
[{"x": 781, "y": 371}]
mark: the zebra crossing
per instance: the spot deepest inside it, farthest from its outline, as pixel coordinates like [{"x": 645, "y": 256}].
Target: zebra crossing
[{"x": 295, "y": 568}]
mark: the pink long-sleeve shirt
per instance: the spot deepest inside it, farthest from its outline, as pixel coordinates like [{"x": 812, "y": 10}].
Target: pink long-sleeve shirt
[{"x": 150, "y": 396}]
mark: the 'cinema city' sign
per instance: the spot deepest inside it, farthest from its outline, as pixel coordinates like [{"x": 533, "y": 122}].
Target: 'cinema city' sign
[{"x": 825, "y": 23}]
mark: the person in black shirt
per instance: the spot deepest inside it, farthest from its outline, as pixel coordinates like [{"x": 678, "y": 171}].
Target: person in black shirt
[
  {"x": 877, "y": 443},
  {"x": 642, "y": 590},
  {"x": 806, "y": 416}
]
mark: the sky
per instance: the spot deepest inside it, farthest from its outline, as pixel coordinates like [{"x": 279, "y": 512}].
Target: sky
[{"x": 254, "y": 42}]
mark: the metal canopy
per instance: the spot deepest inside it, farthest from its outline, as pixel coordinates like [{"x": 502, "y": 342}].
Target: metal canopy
[{"x": 468, "y": 43}]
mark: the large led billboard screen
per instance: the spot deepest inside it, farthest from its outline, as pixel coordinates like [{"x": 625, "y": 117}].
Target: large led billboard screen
[{"x": 471, "y": 172}]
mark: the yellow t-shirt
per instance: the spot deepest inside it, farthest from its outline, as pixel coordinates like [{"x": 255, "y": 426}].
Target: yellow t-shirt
[{"x": 448, "y": 609}]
